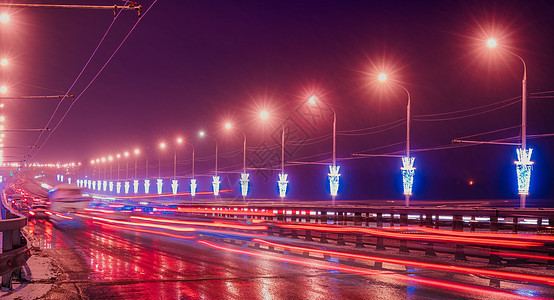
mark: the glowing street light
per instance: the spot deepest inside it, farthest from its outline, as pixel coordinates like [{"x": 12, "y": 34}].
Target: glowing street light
[
  {"x": 524, "y": 163},
  {"x": 3, "y": 62},
  {"x": 4, "y": 18},
  {"x": 408, "y": 169},
  {"x": 3, "y": 89},
  {"x": 334, "y": 170},
  {"x": 491, "y": 43},
  {"x": 216, "y": 180},
  {"x": 264, "y": 115}
]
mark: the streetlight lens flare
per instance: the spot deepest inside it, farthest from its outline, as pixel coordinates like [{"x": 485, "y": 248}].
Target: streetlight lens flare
[
  {"x": 137, "y": 151},
  {"x": 491, "y": 43},
  {"x": 312, "y": 99},
  {"x": 3, "y": 62},
  {"x": 4, "y": 18},
  {"x": 264, "y": 115},
  {"x": 202, "y": 133},
  {"x": 228, "y": 125},
  {"x": 3, "y": 89},
  {"x": 382, "y": 77},
  {"x": 179, "y": 140},
  {"x": 162, "y": 145}
]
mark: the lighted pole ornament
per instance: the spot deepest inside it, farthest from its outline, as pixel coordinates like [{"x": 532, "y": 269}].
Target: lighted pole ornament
[
  {"x": 407, "y": 168},
  {"x": 523, "y": 164},
  {"x": 334, "y": 170}
]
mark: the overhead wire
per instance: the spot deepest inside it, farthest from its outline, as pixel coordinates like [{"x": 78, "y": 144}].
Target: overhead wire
[{"x": 93, "y": 79}]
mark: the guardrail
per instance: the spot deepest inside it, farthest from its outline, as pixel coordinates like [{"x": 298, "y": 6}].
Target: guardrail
[
  {"x": 470, "y": 232},
  {"x": 14, "y": 246}
]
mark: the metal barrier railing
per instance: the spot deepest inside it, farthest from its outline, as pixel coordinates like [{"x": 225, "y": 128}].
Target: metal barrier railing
[{"x": 14, "y": 246}]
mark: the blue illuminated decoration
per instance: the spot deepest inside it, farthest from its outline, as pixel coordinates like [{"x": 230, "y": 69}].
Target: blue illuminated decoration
[
  {"x": 193, "y": 187},
  {"x": 244, "y": 183},
  {"x": 111, "y": 186},
  {"x": 69, "y": 180},
  {"x": 147, "y": 186},
  {"x": 159, "y": 184},
  {"x": 408, "y": 174},
  {"x": 127, "y": 187},
  {"x": 216, "y": 180},
  {"x": 58, "y": 177},
  {"x": 104, "y": 185},
  {"x": 94, "y": 185},
  {"x": 89, "y": 183},
  {"x": 283, "y": 182},
  {"x": 524, "y": 165},
  {"x": 99, "y": 184},
  {"x": 334, "y": 174},
  {"x": 1, "y": 178},
  {"x": 135, "y": 186},
  {"x": 61, "y": 178},
  {"x": 118, "y": 187},
  {"x": 174, "y": 186}
]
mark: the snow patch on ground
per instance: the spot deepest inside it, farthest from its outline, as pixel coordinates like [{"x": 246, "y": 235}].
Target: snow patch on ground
[{"x": 38, "y": 278}]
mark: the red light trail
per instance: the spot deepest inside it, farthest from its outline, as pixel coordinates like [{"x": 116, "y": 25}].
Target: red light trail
[
  {"x": 417, "y": 264},
  {"x": 458, "y": 287},
  {"x": 198, "y": 223},
  {"x": 424, "y": 237}
]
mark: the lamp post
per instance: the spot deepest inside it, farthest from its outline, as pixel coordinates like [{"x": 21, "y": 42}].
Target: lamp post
[
  {"x": 127, "y": 161},
  {"x": 175, "y": 183},
  {"x": 110, "y": 159},
  {"x": 524, "y": 163},
  {"x": 216, "y": 180},
  {"x": 135, "y": 180},
  {"x": 159, "y": 180},
  {"x": 334, "y": 170},
  {"x": 282, "y": 183},
  {"x": 118, "y": 156},
  {"x": 137, "y": 152},
  {"x": 407, "y": 161},
  {"x": 244, "y": 177}
]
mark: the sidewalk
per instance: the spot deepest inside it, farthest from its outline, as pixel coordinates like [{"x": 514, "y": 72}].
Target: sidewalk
[{"x": 38, "y": 274}]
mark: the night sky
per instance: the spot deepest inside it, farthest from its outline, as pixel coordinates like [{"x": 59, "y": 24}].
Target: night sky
[{"x": 192, "y": 65}]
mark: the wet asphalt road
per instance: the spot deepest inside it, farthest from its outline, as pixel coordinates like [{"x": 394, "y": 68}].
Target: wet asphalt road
[{"x": 100, "y": 262}]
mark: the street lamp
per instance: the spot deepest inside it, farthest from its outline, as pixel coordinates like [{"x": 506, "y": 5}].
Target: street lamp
[
  {"x": 282, "y": 183},
  {"x": 244, "y": 177},
  {"x": 216, "y": 180},
  {"x": 524, "y": 163},
  {"x": 110, "y": 159},
  {"x": 3, "y": 89},
  {"x": 135, "y": 180},
  {"x": 127, "y": 184},
  {"x": 407, "y": 161},
  {"x": 159, "y": 180},
  {"x": 334, "y": 170},
  {"x": 3, "y": 62},
  {"x": 174, "y": 182}
]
